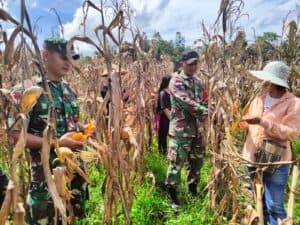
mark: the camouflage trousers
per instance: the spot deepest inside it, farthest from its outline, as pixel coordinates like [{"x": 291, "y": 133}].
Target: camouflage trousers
[
  {"x": 3, "y": 184},
  {"x": 41, "y": 207},
  {"x": 184, "y": 151}
]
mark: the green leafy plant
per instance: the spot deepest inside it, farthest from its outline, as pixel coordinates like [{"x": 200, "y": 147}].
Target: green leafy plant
[{"x": 296, "y": 148}]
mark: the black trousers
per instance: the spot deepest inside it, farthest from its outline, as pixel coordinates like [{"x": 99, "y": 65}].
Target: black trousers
[{"x": 163, "y": 133}]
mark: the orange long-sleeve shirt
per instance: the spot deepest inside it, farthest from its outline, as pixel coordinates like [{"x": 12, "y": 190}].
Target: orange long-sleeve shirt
[{"x": 280, "y": 123}]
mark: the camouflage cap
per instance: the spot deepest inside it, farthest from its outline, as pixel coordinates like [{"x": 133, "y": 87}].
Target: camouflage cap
[{"x": 60, "y": 45}]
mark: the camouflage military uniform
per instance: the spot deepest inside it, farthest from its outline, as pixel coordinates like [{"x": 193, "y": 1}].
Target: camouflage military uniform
[
  {"x": 186, "y": 145},
  {"x": 41, "y": 210}
]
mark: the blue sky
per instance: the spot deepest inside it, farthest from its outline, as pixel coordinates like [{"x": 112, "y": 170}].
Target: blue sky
[{"x": 165, "y": 16}]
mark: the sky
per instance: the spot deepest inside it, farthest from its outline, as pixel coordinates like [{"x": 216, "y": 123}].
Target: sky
[{"x": 164, "y": 16}]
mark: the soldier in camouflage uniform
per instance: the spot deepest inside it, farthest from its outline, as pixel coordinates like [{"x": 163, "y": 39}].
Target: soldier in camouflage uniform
[
  {"x": 186, "y": 144},
  {"x": 40, "y": 204}
]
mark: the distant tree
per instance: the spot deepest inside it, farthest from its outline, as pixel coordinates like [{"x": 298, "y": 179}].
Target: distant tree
[
  {"x": 290, "y": 52},
  {"x": 179, "y": 47},
  {"x": 264, "y": 45},
  {"x": 157, "y": 36},
  {"x": 145, "y": 42},
  {"x": 269, "y": 36},
  {"x": 173, "y": 48},
  {"x": 179, "y": 41},
  {"x": 161, "y": 46}
]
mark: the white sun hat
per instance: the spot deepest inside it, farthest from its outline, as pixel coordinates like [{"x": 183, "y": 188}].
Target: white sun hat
[{"x": 276, "y": 72}]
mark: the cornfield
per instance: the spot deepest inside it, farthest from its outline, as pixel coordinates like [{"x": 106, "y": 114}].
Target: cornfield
[{"x": 123, "y": 136}]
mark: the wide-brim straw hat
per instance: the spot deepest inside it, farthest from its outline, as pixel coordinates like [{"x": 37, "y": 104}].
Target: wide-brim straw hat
[{"x": 275, "y": 72}]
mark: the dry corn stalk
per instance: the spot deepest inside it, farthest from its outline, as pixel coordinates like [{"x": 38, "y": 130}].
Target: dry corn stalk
[
  {"x": 62, "y": 183},
  {"x": 259, "y": 202},
  {"x": 68, "y": 158},
  {"x": 11, "y": 197},
  {"x": 6, "y": 203},
  {"x": 250, "y": 217},
  {"x": 45, "y": 153},
  {"x": 20, "y": 214},
  {"x": 291, "y": 202}
]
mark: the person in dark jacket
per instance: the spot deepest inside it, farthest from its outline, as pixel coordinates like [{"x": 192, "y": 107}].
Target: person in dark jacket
[{"x": 163, "y": 113}]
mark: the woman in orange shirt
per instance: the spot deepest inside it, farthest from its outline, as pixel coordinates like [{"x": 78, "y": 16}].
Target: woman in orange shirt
[{"x": 273, "y": 116}]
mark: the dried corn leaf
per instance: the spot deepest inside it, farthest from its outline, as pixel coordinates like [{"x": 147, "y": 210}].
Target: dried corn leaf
[
  {"x": 6, "y": 203},
  {"x": 291, "y": 202},
  {"x": 250, "y": 217},
  {"x": 19, "y": 217},
  {"x": 60, "y": 181},
  {"x": 20, "y": 146},
  {"x": 66, "y": 156},
  {"x": 74, "y": 167},
  {"x": 64, "y": 153},
  {"x": 259, "y": 189},
  {"x": 45, "y": 153},
  {"x": 152, "y": 177},
  {"x": 9, "y": 49},
  {"x": 89, "y": 156},
  {"x": 293, "y": 30},
  {"x": 118, "y": 20},
  {"x": 287, "y": 221}
]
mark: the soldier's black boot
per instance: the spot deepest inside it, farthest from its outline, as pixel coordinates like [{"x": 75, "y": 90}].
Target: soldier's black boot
[
  {"x": 173, "y": 197},
  {"x": 193, "y": 189}
]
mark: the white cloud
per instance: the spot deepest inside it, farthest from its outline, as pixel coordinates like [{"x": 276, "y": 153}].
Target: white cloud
[
  {"x": 266, "y": 16},
  {"x": 186, "y": 16},
  {"x": 76, "y": 27},
  {"x": 93, "y": 20},
  {"x": 170, "y": 16},
  {"x": 148, "y": 6},
  {"x": 32, "y": 3},
  {"x": 4, "y": 5},
  {"x": 177, "y": 15}
]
